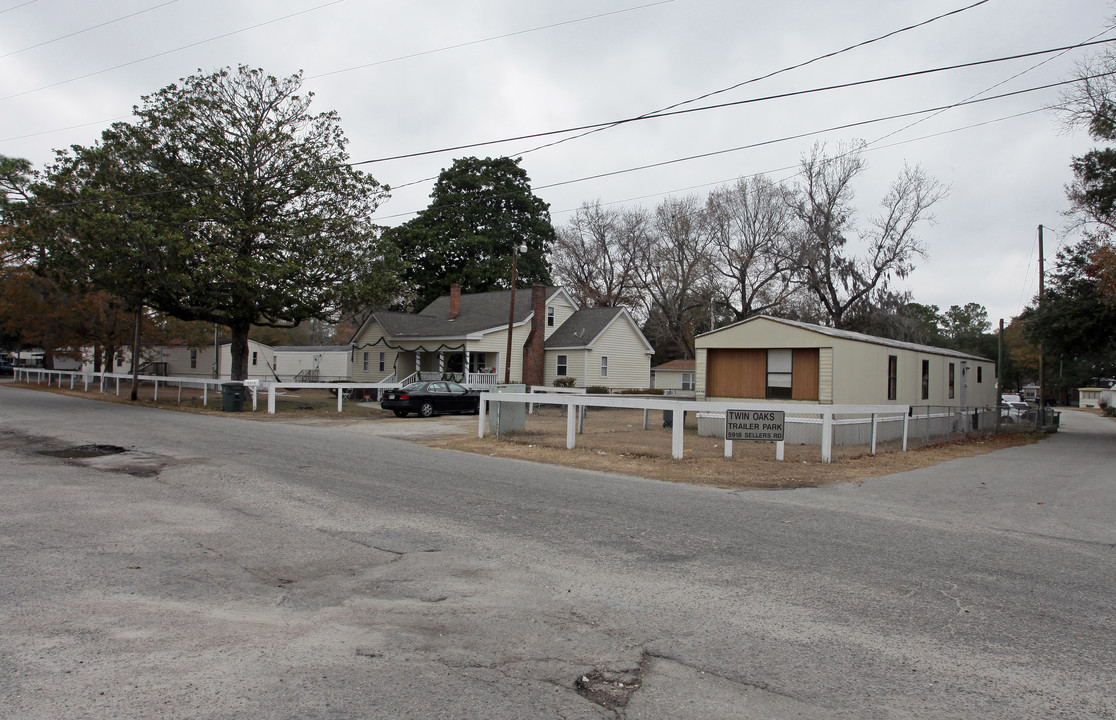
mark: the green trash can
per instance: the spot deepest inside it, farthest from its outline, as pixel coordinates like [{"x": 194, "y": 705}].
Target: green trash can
[{"x": 232, "y": 396}]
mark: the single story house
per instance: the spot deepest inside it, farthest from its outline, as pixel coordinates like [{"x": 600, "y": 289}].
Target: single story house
[
  {"x": 674, "y": 375},
  {"x": 768, "y": 358},
  {"x": 466, "y": 336}
]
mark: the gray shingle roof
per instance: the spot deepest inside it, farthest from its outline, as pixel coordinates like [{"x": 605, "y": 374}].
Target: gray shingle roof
[
  {"x": 479, "y": 312},
  {"x": 582, "y": 327}
]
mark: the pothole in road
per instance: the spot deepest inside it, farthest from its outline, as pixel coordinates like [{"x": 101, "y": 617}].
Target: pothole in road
[
  {"x": 610, "y": 689},
  {"x": 85, "y": 451}
]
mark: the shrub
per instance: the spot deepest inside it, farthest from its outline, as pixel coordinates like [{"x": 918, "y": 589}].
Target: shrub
[
  {"x": 598, "y": 390},
  {"x": 564, "y": 382},
  {"x": 642, "y": 391},
  {"x": 1110, "y": 412}
]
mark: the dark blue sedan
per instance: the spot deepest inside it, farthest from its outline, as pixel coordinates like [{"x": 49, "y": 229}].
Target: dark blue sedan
[{"x": 430, "y": 398}]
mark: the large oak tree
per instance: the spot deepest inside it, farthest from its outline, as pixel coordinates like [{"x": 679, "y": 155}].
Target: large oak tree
[{"x": 226, "y": 201}]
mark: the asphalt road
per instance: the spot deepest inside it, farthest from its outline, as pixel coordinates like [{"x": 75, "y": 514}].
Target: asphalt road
[{"x": 226, "y": 568}]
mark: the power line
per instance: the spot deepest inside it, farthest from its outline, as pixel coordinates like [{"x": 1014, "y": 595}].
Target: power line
[
  {"x": 651, "y": 165},
  {"x": 786, "y": 138},
  {"x": 772, "y": 74},
  {"x": 16, "y": 7},
  {"x": 169, "y": 52},
  {"x": 488, "y": 39},
  {"x": 747, "y": 101},
  {"x": 85, "y": 30},
  {"x": 796, "y": 167}
]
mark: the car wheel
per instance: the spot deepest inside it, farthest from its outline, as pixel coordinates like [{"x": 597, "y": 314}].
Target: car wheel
[
  {"x": 426, "y": 409},
  {"x": 400, "y": 413}
]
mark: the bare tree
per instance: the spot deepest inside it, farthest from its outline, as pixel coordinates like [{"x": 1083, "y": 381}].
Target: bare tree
[
  {"x": 593, "y": 255},
  {"x": 751, "y": 226},
  {"x": 676, "y": 276},
  {"x": 842, "y": 281}
]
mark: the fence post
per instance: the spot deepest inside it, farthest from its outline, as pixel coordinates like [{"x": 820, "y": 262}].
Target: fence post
[
  {"x": 572, "y": 416},
  {"x": 780, "y": 450},
  {"x": 482, "y": 412},
  {"x": 271, "y": 400},
  {"x": 874, "y": 426},
  {"x": 676, "y": 449},
  {"x": 156, "y": 389},
  {"x": 827, "y": 436},
  {"x": 341, "y": 393},
  {"x": 906, "y": 425},
  {"x": 728, "y": 448}
]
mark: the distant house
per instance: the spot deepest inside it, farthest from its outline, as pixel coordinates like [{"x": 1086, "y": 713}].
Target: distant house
[
  {"x": 323, "y": 363},
  {"x": 261, "y": 361},
  {"x": 768, "y": 358},
  {"x": 1095, "y": 397},
  {"x": 674, "y": 375},
  {"x": 466, "y": 336}
]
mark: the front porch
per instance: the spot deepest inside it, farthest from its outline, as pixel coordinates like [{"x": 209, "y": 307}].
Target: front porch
[{"x": 472, "y": 369}]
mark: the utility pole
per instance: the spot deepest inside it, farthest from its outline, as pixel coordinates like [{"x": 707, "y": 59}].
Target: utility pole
[
  {"x": 999, "y": 375},
  {"x": 1042, "y": 353}
]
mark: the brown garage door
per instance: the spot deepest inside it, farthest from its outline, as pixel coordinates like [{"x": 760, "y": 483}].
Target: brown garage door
[
  {"x": 742, "y": 373},
  {"x": 736, "y": 373}
]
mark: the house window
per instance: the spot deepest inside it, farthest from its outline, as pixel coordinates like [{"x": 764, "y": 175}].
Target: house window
[
  {"x": 925, "y": 379},
  {"x": 687, "y": 381},
  {"x": 364, "y": 364},
  {"x": 980, "y": 374},
  {"x": 478, "y": 363},
  {"x": 119, "y": 361},
  {"x": 550, "y": 317},
  {"x": 561, "y": 368},
  {"x": 892, "y": 377},
  {"x": 780, "y": 368},
  {"x": 193, "y": 358},
  {"x": 255, "y": 357},
  {"x": 383, "y": 361},
  {"x": 604, "y": 366},
  {"x": 951, "y": 380}
]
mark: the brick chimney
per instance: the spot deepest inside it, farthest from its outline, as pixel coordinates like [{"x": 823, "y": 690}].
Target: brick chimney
[
  {"x": 534, "y": 351},
  {"x": 455, "y": 300}
]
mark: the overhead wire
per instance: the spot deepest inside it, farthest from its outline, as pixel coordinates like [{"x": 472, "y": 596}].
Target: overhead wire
[
  {"x": 85, "y": 30},
  {"x": 734, "y": 103},
  {"x": 665, "y": 162},
  {"x": 489, "y": 39},
  {"x": 169, "y": 52},
  {"x": 16, "y": 7},
  {"x": 780, "y": 71}
]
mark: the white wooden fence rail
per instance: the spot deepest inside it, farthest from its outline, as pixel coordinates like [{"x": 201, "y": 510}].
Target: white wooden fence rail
[{"x": 871, "y": 414}]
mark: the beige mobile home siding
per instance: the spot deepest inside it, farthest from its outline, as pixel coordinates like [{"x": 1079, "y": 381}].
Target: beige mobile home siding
[{"x": 856, "y": 372}]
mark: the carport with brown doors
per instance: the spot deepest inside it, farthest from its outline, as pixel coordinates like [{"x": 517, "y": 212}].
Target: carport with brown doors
[{"x": 768, "y": 358}]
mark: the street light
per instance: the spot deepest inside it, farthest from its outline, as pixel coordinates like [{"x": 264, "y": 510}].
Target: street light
[{"x": 522, "y": 247}]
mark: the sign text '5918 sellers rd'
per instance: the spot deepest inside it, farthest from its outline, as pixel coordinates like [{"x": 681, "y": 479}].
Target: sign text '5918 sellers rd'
[{"x": 754, "y": 425}]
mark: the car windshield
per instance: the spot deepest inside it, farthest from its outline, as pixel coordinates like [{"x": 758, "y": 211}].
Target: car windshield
[
  {"x": 413, "y": 387},
  {"x": 1020, "y": 406}
]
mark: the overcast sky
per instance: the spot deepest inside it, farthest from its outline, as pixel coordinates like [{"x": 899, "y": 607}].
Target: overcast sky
[{"x": 409, "y": 77}]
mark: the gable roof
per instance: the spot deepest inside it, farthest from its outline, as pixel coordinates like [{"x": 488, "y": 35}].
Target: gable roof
[
  {"x": 678, "y": 365},
  {"x": 858, "y": 337},
  {"x": 582, "y": 329},
  {"x": 479, "y": 312}
]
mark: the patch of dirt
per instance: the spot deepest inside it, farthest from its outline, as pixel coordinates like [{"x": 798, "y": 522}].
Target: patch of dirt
[{"x": 621, "y": 445}]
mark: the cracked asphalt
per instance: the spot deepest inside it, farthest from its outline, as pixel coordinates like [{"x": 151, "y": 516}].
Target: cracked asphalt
[{"x": 222, "y": 568}]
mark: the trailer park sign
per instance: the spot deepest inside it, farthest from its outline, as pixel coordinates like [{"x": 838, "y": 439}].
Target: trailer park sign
[{"x": 755, "y": 425}]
